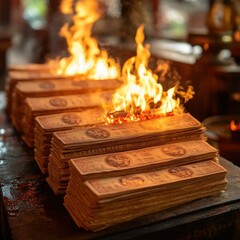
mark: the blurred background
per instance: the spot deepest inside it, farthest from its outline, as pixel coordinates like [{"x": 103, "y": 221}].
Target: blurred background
[
  {"x": 35, "y": 24},
  {"x": 201, "y": 39}
]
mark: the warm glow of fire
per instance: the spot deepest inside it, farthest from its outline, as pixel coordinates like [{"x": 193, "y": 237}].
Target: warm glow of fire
[
  {"x": 85, "y": 56},
  {"x": 142, "y": 96},
  {"x": 234, "y": 126},
  {"x": 205, "y": 46},
  {"x": 237, "y": 36},
  {"x": 66, "y": 6}
]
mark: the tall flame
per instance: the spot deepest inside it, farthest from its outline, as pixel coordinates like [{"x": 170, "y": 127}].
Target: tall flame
[
  {"x": 85, "y": 56},
  {"x": 142, "y": 96}
]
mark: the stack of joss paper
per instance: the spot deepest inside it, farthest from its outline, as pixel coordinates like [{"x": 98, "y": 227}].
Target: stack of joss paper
[
  {"x": 97, "y": 203},
  {"x": 33, "y": 67},
  {"x": 40, "y": 88},
  {"x": 144, "y": 159},
  {"x": 34, "y": 107},
  {"x": 46, "y": 125},
  {"x": 115, "y": 138},
  {"x": 27, "y": 72}
]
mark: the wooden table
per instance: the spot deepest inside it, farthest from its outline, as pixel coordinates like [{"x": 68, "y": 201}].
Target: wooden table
[{"x": 32, "y": 211}]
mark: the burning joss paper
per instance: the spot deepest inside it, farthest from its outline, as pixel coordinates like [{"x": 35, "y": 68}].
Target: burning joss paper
[
  {"x": 50, "y": 88},
  {"x": 90, "y": 141},
  {"x": 34, "y": 107},
  {"x": 143, "y": 96}
]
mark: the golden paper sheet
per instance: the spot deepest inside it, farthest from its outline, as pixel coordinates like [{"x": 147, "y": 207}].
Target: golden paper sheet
[
  {"x": 176, "y": 153},
  {"x": 160, "y": 126},
  {"x": 138, "y": 182},
  {"x": 31, "y": 67},
  {"x": 61, "y": 120},
  {"x": 65, "y": 85},
  {"x": 68, "y": 102}
]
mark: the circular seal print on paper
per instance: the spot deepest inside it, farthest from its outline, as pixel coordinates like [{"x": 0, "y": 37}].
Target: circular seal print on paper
[
  {"x": 47, "y": 85},
  {"x": 71, "y": 119},
  {"x": 97, "y": 133},
  {"x": 173, "y": 150},
  {"x": 58, "y": 102},
  {"x": 118, "y": 160},
  {"x": 131, "y": 181},
  {"x": 181, "y": 172}
]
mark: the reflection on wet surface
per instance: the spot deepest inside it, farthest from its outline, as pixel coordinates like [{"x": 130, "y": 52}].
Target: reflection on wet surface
[
  {"x": 22, "y": 195},
  {"x": 26, "y": 195},
  {"x": 20, "y": 177},
  {"x": 10, "y": 203},
  {"x": 2, "y": 100}
]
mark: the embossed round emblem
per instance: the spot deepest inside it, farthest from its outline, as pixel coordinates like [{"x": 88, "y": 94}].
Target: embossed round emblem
[
  {"x": 80, "y": 83},
  {"x": 131, "y": 181},
  {"x": 47, "y": 85},
  {"x": 58, "y": 102},
  {"x": 97, "y": 133},
  {"x": 117, "y": 160},
  {"x": 182, "y": 172},
  {"x": 174, "y": 150},
  {"x": 71, "y": 119}
]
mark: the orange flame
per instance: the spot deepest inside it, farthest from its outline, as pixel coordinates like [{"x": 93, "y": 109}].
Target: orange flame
[
  {"x": 85, "y": 56},
  {"x": 142, "y": 96},
  {"x": 234, "y": 126},
  {"x": 66, "y": 6}
]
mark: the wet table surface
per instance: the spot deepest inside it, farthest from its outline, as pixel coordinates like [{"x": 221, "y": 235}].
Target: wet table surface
[{"x": 34, "y": 212}]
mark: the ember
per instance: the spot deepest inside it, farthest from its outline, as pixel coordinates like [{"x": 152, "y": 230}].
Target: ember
[
  {"x": 235, "y": 130},
  {"x": 234, "y": 126},
  {"x": 142, "y": 96},
  {"x": 121, "y": 117}
]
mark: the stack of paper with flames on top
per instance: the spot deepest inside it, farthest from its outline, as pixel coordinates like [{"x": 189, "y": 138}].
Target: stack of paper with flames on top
[
  {"x": 85, "y": 71},
  {"x": 147, "y": 152},
  {"x": 34, "y": 107},
  {"x": 169, "y": 162},
  {"x": 97, "y": 140},
  {"x": 39, "y": 89},
  {"x": 144, "y": 119}
]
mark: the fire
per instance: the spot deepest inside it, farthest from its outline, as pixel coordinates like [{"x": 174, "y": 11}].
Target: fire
[
  {"x": 85, "y": 56},
  {"x": 234, "y": 126},
  {"x": 142, "y": 96},
  {"x": 66, "y": 6}
]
